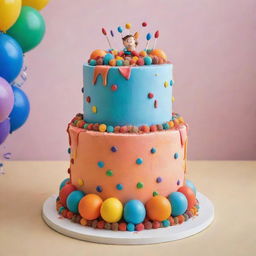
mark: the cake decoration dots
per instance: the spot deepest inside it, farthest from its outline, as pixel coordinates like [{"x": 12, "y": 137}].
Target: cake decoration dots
[
  {"x": 114, "y": 87},
  {"x": 82, "y": 89},
  {"x": 114, "y": 149},
  {"x": 139, "y": 161},
  {"x": 102, "y": 128},
  {"x": 72, "y": 160},
  {"x": 140, "y": 185},
  {"x": 101, "y": 164},
  {"x": 176, "y": 155},
  {"x": 109, "y": 173},
  {"x": 171, "y": 83},
  {"x": 178, "y": 182},
  {"x": 99, "y": 188},
  {"x": 130, "y": 227},
  {"x": 158, "y": 179},
  {"x": 166, "y": 84},
  {"x": 150, "y": 95},
  {"x": 69, "y": 150},
  {"x": 173, "y": 99},
  {"x": 80, "y": 182},
  {"x": 155, "y": 104},
  {"x": 88, "y": 99},
  {"x": 153, "y": 150},
  {"x": 155, "y": 193},
  {"x": 110, "y": 128},
  {"x": 94, "y": 109},
  {"x": 119, "y": 186}
]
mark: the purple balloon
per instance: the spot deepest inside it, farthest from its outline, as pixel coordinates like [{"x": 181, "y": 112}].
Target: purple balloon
[
  {"x": 4, "y": 130},
  {"x": 6, "y": 99}
]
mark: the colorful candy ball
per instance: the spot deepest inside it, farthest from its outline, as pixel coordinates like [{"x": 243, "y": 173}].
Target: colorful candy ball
[
  {"x": 89, "y": 206},
  {"x": 191, "y": 185},
  {"x": 92, "y": 62},
  {"x": 119, "y": 62},
  {"x": 189, "y": 194},
  {"x": 64, "y": 193},
  {"x": 158, "y": 208},
  {"x": 178, "y": 202},
  {"x": 63, "y": 183},
  {"x": 147, "y": 60},
  {"x": 111, "y": 210},
  {"x": 134, "y": 212},
  {"x": 73, "y": 200},
  {"x": 159, "y": 53},
  {"x": 107, "y": 58},
  {"x": 97, "y": 53}
]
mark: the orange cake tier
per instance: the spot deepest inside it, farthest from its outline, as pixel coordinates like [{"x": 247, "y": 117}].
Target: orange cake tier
[{"x": 128, "y": 165}]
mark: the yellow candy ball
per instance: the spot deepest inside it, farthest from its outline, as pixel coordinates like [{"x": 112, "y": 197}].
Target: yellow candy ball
[
  {"x": 119, "y": 58},
  {"x": 166, "y": 84},
  {"x": 111, "y": 210},
  {"x": 112, "y": 62},
  {"x": 128, "y": 26},
  {"x": 135, "y": 58},
  {"x": 114, "y": 52},
  {"x": 143, "y": 53},
  {"x": 102, "y": 128},
  {"x": 94, "y": 109}
]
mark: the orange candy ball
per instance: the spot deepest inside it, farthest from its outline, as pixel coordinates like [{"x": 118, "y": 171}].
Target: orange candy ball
[
  {"x": 89, "y": 206},
  {"x": 112, "y": 62},
  {"x": 189, "y": 194},
  {"x": 158, "y": 208},
  {"x": 97, "y": 53},
  {"x": 158, "y": 53}
]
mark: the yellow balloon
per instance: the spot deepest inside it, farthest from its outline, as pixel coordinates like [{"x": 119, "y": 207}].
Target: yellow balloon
[
  {"x": 9, "y": 13},
  {"x": 111, "y": 210},
  {"x": 37, "y": 4}
]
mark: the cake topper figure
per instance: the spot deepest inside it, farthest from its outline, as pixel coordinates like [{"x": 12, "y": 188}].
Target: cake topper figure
[{"x": 130, "y": 42}]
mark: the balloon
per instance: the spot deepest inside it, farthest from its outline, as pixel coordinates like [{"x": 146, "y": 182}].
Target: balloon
[
  {"x": 9, "y": 12},
  {"x": 29, "y": 28},
  {"x": 6, "y": 99},
  {"x": 4, "y": 130},
  {"x": 37, "y": 4},
  {"x": 20, "y": 109},
  {"x": 11, "y": 58}
]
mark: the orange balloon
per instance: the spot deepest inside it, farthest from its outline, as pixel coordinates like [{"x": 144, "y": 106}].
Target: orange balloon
[
  {"x": 158, "y": 53},
  {"x": 97, "y": 53},
  {"x": 89, "y": 206},
  {"x": 158, "y": 208},
  {"x": 189, "y": 194}
]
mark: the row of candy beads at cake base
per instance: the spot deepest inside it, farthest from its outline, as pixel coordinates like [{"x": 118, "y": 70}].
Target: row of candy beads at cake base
[
  {"x": 176, "y": 122},
  {"x": 159, "y": 211}
]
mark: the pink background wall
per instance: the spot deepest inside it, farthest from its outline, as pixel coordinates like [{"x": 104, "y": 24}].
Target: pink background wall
[{"x": 211, "y": 43}]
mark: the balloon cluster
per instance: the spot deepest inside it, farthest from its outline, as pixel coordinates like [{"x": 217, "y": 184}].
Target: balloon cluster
[{"x": 22, "y": 28}]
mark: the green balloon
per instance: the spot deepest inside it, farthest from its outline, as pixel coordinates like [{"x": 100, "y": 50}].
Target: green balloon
[{"x": 29, "y": 28}]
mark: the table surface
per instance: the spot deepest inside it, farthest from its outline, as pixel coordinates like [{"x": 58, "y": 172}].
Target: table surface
[{"x": 231, "y": 185}]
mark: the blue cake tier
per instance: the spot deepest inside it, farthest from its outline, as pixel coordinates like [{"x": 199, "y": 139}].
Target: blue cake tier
[{"x": 128, "y": 95}]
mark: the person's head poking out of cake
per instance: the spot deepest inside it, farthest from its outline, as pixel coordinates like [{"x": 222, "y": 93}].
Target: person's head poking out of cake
[{"x": 130, "y": 42}]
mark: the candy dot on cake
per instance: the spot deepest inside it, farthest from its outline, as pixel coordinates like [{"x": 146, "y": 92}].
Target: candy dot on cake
[
  {"x": 110, "y": 128},
  {"x": 88, "y": 99},
  {"x": 150, "y": 95},
  {"x": 114, "y": 87},
  {"x": 69, "y": 150},
  {"x": 99, "y": 189},
  {"x": 102, "y": 127},
  {"x": 178, "y": 202},
  {"x": 155, "y": 193},
  {"x": 94, "y": 109},
  {"x": 101, "y": 164},
  {"x": 111, "y": 210},
  {"x": 80, "y": 182},
  {"x": 134, "y": 212},
  {"x": 178, "y": 182},
  {"x": 89, "y": 206},
  {"x": 114, "y": 149},
  {"x": 153, "y": 150},
  {"x": 73, "y": 200},
  {"x": 109, "y": 173},
  {"x": 140, "y": 185},
  {"x": 176, "y": 155},
  {"x": 166, "y": 84},
  {"x": 139, "y": 161},
  {"x": 158, "y": 180},
  {"x": 119, "y": 187},
  {"x": 171, "y": 83}
]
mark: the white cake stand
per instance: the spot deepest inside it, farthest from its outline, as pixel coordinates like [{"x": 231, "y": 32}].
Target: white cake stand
[{"x": 67, "y": 227}]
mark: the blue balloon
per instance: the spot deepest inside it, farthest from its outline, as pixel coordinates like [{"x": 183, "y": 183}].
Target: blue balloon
[
  {"x": 11, "y": 58},
  {"x": 20, "y": 109},
  {"x": 178, "y": 202},
  {"x": 134, "y": 212},
  {"x": 191, "y": 185},
  {"x": 74, "y": 199},
  {"x": 63, "y": 183}
]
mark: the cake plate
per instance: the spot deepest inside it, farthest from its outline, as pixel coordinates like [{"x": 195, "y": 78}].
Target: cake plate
[{"x": 190, "y": 227}]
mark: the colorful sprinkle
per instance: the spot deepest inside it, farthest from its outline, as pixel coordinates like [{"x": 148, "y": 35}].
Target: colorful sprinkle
[
  {"x": 119, "y": 186},
  {"x": 109, "y": 173},
  {"x": 139, "y": 161},
  {"x": 69, "y": 150},
  {"x": 176, "y": 155},
  {"x": 114, "y": 149},
  {"x": 140, "y": 185},
  {"x": 101, "y": 164},
  {"x": 155, "y": 193},
  {"x": 178, "y": 182},
  {"x": 80, "y": 182},
  {"x": 150, "y": 95},
  {"x": 171, "y": 83},
  {"x": 155, "y": 104},
  {"x": 114, "y": 87},
  {"x": 99, "y": 188},
  {"x": 110, "y": 128},
  {"x": 173, "y": 99},
  {"x": 153, "y": 150},
  {"x": 94, "y": 109},
  {"x": 166, "y": 84},
  {"x": 158, "y": 179}
]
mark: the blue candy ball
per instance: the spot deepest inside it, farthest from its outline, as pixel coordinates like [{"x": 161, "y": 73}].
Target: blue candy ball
[
  {"x": 92, "y": 62},
  {"x": 134, "y": 212},
  {"x": 130, "y": 227},
  {"x": 74, "y": 199},
  {"x": 191, "y": 185},
  {"x": 147, "y": 60},
  {"x": 107, "y": 58},
  {"x": 178, "y": 202},
  {"x": 63, "y": 183},
  {"x": 119, "y": 63}
]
